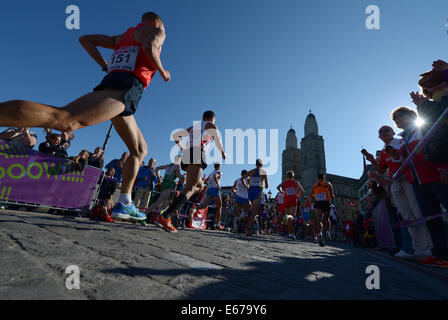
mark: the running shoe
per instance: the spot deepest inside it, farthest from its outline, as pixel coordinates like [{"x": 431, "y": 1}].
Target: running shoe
[
  {"x": 321, "y": 240},
  {"x": 328, "y": 236},
  {"x": 402, "y": 254},
  {"x": 165, "y": 224},
  {"x": 315, "y": 240},
  {"x": 127, "y": 213},
  {"x": 107, "y": 218},
  {"x": 433, "y": 262}
]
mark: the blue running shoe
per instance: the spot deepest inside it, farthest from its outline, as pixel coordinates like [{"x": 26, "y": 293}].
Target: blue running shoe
[{"x": 127, "y": 213}]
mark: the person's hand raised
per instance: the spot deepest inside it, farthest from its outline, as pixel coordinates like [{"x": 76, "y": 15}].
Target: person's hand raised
[{"x": 417, "y": 98}]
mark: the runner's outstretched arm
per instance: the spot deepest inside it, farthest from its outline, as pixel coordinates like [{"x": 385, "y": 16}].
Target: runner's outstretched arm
[
  {"x": 279, "y": 186},
  {"x": 299, "y": 186},
  {"x": 331, "y": 190},
  {"x": 153, "y": 46},
  {"x": 234, "y": 186},
  {"x": 266, "y": 180},
  {"x": 245, "y": 184},
  {"x": 177, "y": 136},
  {"x": 91, "y": 42},
  {"x": 249, "y": 174},
  {"x": 216, "y": 180},
  {"x": 212, "y": 130},
  {"x": 161, "y": 167}
]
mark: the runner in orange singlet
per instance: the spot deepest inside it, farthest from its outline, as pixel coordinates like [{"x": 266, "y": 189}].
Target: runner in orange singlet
[{"x": 323, "y": 193}]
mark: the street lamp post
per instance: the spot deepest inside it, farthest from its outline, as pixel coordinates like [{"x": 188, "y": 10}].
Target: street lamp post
[{"x": 107, "y": 138}]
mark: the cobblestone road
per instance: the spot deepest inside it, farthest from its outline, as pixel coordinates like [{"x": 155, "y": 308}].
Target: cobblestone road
[{"x": 128, "y": 261}]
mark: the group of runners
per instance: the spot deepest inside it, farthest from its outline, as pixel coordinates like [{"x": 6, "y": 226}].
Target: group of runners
[
  {"x": 133, "y": 64},
  {"x": 314, "y": 212}
]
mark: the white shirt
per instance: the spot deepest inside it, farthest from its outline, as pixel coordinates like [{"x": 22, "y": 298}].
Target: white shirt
[
  {"x": 241, "y": 190},
  {"x": 211, "y": 180}
]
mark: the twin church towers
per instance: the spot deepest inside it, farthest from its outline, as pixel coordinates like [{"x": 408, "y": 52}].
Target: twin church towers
[{"x": 308, "y": 161}]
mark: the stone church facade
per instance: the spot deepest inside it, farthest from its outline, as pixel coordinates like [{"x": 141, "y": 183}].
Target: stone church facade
[{"x": 309, "y": 160}]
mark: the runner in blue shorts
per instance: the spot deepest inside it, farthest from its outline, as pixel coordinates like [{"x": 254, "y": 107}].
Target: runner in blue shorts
[
  {"x": 256, "y": 177},
  {"x": 306, "y": 215},
  {"x": 240, "y": 188}
]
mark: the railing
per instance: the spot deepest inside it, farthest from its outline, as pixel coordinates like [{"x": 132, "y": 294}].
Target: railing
[
  {"x": 421, "y": 144},
  {"x": 30, "y": 178}
]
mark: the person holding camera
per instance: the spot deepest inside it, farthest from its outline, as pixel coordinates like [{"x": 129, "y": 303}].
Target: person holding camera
[
  {"x": 52, "y": 146},
  {"x": 96, "y": 159}
]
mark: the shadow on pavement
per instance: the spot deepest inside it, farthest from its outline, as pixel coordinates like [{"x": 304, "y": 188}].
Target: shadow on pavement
[{"x": 321, "y": 276}]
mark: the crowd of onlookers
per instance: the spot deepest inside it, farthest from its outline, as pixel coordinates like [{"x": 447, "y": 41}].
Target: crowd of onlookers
[
  {"x": 418, "y": 192},
  {"x": 55, "y": 145}
]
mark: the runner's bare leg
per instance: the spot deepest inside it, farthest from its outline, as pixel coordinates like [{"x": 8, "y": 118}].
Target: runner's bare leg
[
  {"x": 130, "y": 133},
  {"x": 162, "y": 201},
  {"x": 218, "y": 203},
  {"x": 205, "y": 203},
  {"x": 90, "y": 109},
  {"x": 193, "y": 185}
]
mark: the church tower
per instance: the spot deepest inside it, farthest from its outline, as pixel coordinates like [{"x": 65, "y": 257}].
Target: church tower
[
  {"x": 312, "y": 154},
  {"x": 291, "y": 155}
]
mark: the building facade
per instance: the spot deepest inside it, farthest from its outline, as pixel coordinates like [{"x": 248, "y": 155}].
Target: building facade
[
  {"x": 346, "y": 199},
  {"x": 312, "y": 153},
  {"x": 309, "y": 160},
  {"x": 291, "y": 158}
]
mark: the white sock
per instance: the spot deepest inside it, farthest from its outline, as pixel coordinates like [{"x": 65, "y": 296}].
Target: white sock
[{"x": 125, "y": 199}]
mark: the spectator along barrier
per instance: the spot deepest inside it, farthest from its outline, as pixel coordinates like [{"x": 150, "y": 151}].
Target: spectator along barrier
[
  {"x": 419, "y": 148},
  {"x": 32, "y": 178}
]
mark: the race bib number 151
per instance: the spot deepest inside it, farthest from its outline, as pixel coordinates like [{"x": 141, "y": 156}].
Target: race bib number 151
[{"x": 123, "y": 59}]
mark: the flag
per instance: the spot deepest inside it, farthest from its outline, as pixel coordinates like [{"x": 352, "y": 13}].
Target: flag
[{"x": 352, "y": 204}]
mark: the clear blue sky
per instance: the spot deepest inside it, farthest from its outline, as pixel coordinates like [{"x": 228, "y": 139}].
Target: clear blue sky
[{"x": 258, "y": 64}]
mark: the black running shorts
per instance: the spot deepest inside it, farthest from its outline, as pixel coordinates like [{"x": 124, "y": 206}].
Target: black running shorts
[
  {"x": 323, "y": 206},
  {"x": 124, "y": 81},
  {"x": 193, "y": 156}
]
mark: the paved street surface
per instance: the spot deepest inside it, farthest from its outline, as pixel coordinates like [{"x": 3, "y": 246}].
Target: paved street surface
[{"x": 129, "y": 261}]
